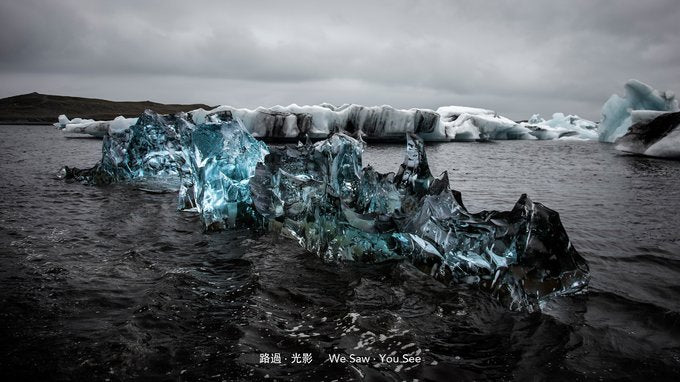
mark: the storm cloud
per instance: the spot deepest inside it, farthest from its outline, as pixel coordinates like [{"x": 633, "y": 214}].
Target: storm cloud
[{"x": 516, "y": 57}]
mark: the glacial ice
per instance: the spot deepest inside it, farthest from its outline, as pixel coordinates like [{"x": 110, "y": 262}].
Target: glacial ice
[
  {"x": 97, "y": 129},
  {"x": 218, "y": 158},
  {"x": 63, "y": 121},
  {"x": 320, "y": 195},
  {"x": 319, "y": 121},
  {"x": 143, "y": 150},
  {"x": 458, "y": 123},
  {"x": 561, "y": 127},
  {"x": 656, "y": 137},
  {"x": 468, "y": 124},
  {"x": 376, "y": 123},
  {"x": 618, "y": 112}
]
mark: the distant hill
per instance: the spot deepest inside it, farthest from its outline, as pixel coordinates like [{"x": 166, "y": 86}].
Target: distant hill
[{"x": 35, "y": 108}]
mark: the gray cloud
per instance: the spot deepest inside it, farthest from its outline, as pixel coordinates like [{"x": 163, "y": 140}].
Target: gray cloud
[{"x": 517, "y": 57}]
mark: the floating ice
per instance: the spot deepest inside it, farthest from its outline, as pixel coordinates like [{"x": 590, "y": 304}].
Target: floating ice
[
  {"x": 377, "y": 122},
  {"x": 97, "y": 129},
  {"x": 141, "y": 151},
  {"x": 63, "y": 121},
  {"x": 617, "y": 112},
  {"x": 656, "y": 137},
  {"x": 468, "y": 124},
  {"x": 218, "y": 159},
  {"x": 561, "y": 127},
  {"x": 386, "y": 123},
  {"x": 321, "y": 196}
]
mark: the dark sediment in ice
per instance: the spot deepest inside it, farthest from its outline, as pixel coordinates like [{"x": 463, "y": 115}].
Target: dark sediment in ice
[{"x": 659, "y": 137}]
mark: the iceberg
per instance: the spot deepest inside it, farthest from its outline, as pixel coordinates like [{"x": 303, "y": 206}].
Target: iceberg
[
  {"x": 319, "y": 121},
  {"x": 63, "y": 121},
  {"x": 142, "y": 151},
  {"x": 375, "y": 123},
  {"x": 561, "y": 127},
  {"x": 618, "y": 112},
  {"x": 469, "y": 124},
  {"x": 217, "y": 159},
  {"x": 320, "y": 195},
  {"x": 385, "y": 123},
  {"x": 97, "y": 129},
  {"x": 656, "y": 137}
]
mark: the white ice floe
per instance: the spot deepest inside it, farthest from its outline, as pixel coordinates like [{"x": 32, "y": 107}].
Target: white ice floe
[
  {"x": 92, "y": 127},
  {"x": 447, "y": 123},
  {"x": 63, "y": 121},
  {"x": 561, "y": 127},
  {"x": 380, "y": 122}
]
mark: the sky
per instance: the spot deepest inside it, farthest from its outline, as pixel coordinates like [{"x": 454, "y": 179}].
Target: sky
[{"x": 515, "y": 57}]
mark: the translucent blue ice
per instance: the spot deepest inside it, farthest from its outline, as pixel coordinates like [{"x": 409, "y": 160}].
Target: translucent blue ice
[
  {"x": 219, "y": 158},
  {"x": 616, "y": 112},
  {"x": 142, "y": 151},
  {"x": 321, "y": 196}
]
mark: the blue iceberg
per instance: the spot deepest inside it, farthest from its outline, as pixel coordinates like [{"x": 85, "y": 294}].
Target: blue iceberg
[
  {"x": 320, "y": 195},
  {"x": 218, "y": 158},
  {"x": 618, "y": 112},
  {"x": 142, "y": 151}
]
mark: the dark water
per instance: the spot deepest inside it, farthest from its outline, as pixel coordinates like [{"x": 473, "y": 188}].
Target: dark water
[{"x": 115, "y": 284}]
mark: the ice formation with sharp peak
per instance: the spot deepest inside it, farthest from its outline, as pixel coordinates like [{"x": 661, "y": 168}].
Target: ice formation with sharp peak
[
  {"x": 216, "y": 161},
  {"x": 320, "y": 195},
  {"x": 618, "y": 112},
  {"x": 653, "y": 136}
]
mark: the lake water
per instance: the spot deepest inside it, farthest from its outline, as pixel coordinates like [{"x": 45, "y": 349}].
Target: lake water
[{"x": 114, "y": 284}]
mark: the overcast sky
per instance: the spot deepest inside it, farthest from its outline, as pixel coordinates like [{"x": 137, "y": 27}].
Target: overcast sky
[{"x": 516, "y": 57}]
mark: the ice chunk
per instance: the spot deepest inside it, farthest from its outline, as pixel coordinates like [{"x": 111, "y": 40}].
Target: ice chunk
[
  {"x": 561, "y": 127},
  {"x": 616, "y": 112},
  {"x": 63, "y": 121},
  {"x": 375, "y": 123},
  {"x": 293, "y": 121},
  {"x": 218, "y": 159},
  {"x": 469, "y": 124},
  {"x": 658, "y": 137},
  {"x": 97, "y": 129},
  {"x": 143, "y": 151},
  {"x": 320, "y": 196},
  {"x": 94, "y": 128},
  {"x": 120, "y": 124}
]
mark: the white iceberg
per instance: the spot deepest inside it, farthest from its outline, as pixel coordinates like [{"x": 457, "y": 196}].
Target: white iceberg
[
  {"x": 467, "y": 124},
  {"x": 63, "y": 121},
  {"x": 618, "y": 112},
  {"x": 91, "y": 127},
  {"x": 561, "y": 127},
  {"x": 319, "y": 121}
]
